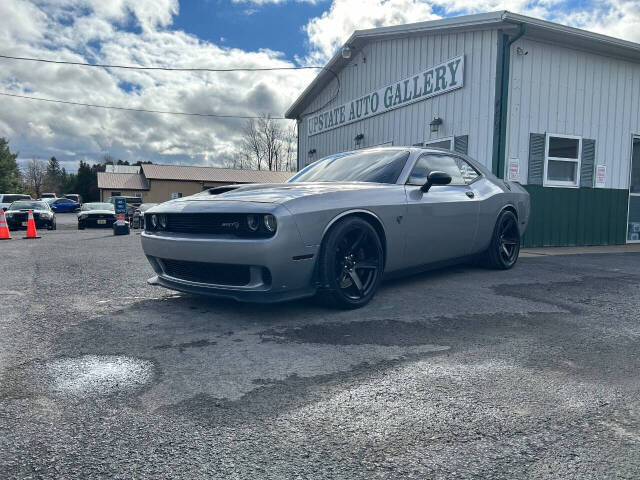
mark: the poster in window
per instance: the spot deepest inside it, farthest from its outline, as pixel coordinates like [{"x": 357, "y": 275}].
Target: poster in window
[{"x": 601, "y": 175}]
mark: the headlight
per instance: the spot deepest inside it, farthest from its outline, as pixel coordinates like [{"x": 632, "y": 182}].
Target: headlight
[
  {"x": 270, "y": 223},
  {"x": 162, "y": 220},
  {"x": 252, "y": 222}
]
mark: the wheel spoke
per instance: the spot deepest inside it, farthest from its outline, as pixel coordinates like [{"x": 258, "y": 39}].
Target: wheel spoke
[
  {"x": 367, "y": 264},
  {"x": 356, "y": 280},
  {"x": 358, "y": 241},
  {"x": 506, "y": 251}
]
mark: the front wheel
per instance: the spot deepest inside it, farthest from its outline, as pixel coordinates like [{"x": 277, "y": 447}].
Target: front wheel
[
  {"x": 504, "y": 249},
  {"x": 351, "y": 263}
]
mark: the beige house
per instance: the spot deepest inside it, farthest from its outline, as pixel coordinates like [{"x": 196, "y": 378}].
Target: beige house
[{"x": 159, "y": 183}]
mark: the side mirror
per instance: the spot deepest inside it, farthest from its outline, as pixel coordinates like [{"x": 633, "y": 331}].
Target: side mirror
[{"x": 436, "y": 178}]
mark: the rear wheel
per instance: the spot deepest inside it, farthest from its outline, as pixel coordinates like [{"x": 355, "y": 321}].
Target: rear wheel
[
  {"x": 351, "y": 263},
  {"x": 505, "y": 243}
]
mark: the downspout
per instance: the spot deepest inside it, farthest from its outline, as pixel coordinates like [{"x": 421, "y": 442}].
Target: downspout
[
  {"x": 298, "y": 122},
  {"x": 502, "y": 100}
]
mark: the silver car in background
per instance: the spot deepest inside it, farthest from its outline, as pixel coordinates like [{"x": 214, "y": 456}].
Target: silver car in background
[{"x": 337, "y": 227}]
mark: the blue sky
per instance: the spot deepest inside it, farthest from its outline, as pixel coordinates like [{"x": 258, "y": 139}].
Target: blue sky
[
  {"x": 250, "y": 27},
  {"x": 187, "y": 33}
]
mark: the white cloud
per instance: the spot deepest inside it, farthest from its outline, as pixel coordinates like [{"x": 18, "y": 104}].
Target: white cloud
[
  {"x": 69, "y": 30},
  {"x": 101, "y": 31}
]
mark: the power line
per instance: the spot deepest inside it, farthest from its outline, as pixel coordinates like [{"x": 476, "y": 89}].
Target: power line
[
  {"x": 169, "y": 69},
  {"x": 143, "y": 110}
]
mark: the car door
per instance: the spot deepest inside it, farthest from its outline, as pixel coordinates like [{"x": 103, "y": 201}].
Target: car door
[{"x": 442, "y": 222}]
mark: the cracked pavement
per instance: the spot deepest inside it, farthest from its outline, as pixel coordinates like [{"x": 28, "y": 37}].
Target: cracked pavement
[{"x": 456, "y": 373}]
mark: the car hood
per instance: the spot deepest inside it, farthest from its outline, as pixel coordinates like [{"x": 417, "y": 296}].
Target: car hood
[
  {"x": 100, "y": 212},
  {"x": 278, "y": 193}
]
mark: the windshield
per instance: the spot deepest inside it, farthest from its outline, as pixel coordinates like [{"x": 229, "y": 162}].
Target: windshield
[
  {"x": 378, "y": 166},
  {"x": 97, "y": 206},
  {"x": 146, "y": 206},
  {"x": 26, "y": 205}
]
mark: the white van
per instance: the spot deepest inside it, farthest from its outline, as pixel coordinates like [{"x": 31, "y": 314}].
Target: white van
[{"x": 7, "y": 199}]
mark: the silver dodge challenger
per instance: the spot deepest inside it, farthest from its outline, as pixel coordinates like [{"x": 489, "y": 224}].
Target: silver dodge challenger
[{"x": 337, "y": 227}]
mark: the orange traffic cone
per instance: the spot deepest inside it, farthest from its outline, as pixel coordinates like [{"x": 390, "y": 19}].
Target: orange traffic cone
[
  {"x": 31, "y": 227},
  {"x": 4, "y": 228}
]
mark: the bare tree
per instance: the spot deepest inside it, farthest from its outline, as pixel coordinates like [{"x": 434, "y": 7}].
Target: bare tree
[
  {"x": 35, "y": 175},
  {"x": 267, "y": 144}
]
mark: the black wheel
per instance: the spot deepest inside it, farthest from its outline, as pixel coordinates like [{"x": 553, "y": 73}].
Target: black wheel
[
  {"x": 54, "y": 225},
  {"x": 80, "y": 227},
  {"x": 505, "y": 243},
  {"x": 351, "y": 263}
]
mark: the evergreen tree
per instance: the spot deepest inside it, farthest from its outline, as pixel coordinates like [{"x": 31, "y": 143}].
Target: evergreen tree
[
  {"x": 54, "y": 175},
  {"x": 10, "y": 178}
]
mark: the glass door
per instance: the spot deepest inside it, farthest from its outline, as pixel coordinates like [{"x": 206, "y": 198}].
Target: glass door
[{"x": 633, "y": 224}]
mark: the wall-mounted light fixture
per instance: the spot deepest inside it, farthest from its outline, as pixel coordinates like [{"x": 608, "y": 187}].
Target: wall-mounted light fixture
[
  {"x": 359, "y": 139},
  {"x": 435, "y": 124},
  {"x": 521, "y": 51},
  {"x": 312, "y": 151},
  {"x": 346, "y": 52}
]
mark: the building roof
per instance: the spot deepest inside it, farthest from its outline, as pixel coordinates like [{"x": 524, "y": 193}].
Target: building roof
[
  {"x": 212, "y": 174},
  {"x": 122, "y": 181},
  {"x": 507, "y": 21}
]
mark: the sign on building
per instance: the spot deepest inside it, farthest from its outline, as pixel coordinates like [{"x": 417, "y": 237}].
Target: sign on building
[{"x": 431, "y": 82}]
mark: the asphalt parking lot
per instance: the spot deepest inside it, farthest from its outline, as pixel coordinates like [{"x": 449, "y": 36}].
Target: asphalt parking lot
[{"x": 458, "y": 373}]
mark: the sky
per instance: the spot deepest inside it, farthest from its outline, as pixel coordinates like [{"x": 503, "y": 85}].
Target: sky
[{"x": 199, "y": 33}]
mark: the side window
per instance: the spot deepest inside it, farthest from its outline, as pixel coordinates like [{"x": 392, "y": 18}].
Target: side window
[
  {"x": 429, "y": 163},
  {"x": 468, "y": 172}
]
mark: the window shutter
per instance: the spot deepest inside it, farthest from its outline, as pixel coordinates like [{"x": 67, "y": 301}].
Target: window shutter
[
  {"x": 461, "y": 144},
  {"x": 588, "y": 160},
  {"x": 537, "y": 143}
]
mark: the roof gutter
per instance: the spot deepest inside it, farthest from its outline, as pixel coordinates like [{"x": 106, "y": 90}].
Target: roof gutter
[{"x": 502, "y": 99}]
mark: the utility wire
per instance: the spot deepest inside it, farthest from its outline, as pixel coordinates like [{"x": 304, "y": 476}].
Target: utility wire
[
  {"x": 143, "y": 110},
  {"x": 169, "y": 69}
]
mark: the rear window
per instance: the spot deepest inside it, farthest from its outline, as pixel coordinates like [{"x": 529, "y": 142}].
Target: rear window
[{"x": 14, "y": 198}]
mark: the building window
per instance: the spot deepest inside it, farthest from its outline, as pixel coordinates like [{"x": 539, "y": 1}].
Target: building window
[
  {"x": 444, "y": 143},
  {"x": 562, "y": 161},
  {"x": 175, "y": 195},
  {"x": 116, "y": 194}
]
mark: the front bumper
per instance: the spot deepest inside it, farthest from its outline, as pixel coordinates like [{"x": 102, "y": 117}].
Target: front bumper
[
  {"x": 281, "y": 267},
  {"x": 40, "y": 223}
]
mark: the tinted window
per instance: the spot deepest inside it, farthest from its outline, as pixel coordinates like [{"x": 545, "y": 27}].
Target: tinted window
[
  {"x": 13, "y": 198},
  {"x": 378, "y": 166},
  {"x": 63, "y": 200},
  {"x": 27, "y": 205},
  {"x": 430, "y": 163},
  {"x": 468, "y": 172}
]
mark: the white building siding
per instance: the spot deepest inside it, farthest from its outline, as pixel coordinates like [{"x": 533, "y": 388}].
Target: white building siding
[
  {"x": 467, "y": 111},
  {"x": 554, "y": 89}
]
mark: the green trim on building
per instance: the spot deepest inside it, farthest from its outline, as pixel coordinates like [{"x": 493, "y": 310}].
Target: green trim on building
[{"x": 576, "y": 216}]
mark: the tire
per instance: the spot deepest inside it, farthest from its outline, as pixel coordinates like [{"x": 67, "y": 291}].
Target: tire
[
  {"x": 351, "y": 264},
  {"x": 80, "y": 227},
  {"x": 504, "y": 249},
  {"x": 54, "y": 225}
]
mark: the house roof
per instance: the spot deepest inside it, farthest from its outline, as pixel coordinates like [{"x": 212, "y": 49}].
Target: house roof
[
  {"x": 212, "y": 174},
  {"x": 507, "y": 21},
  {"x": 122, "y": 181}
]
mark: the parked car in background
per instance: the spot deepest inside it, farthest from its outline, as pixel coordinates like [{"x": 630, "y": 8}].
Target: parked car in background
[
  {"x": 132, "y": 204},
  {"x": 62, "y": 205},
  {"x": 7, "y": 199},
  {"x": 74, "y": 196},
  {"x": 47, "y": 195},
  {"x": 138, "y": 215},
  {"x": 18, "y": 213},
  {"x": 96, "y": 214},
  {"x": 337, "y": 227}
]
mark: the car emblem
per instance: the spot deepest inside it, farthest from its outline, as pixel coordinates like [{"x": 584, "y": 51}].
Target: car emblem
[{"x": 235, "y": 225}]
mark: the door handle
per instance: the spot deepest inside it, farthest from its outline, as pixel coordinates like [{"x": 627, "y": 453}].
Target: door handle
[{"x": 470, "y": 194}]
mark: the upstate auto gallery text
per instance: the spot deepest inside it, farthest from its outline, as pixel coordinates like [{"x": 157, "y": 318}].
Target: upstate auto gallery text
[{"x": 434, "y": 81}]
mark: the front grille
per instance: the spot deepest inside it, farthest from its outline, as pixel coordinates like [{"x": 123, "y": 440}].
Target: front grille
[
  {"x": 215, "y": 273},
  {"x": 212, "y": 223}
]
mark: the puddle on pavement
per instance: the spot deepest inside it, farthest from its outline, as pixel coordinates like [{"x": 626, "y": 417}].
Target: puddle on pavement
[{"x": 93, "y": 375}]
